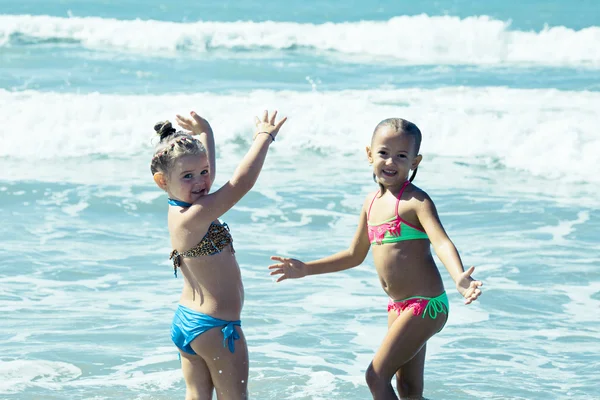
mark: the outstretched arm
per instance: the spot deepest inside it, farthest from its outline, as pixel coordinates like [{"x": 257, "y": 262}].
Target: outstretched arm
[
  {"x": 202, "y": 129},
  {"x": 349, "y": 258},
  {"x": 212, "y": 206},
  {"x": 446, "y": 251}
]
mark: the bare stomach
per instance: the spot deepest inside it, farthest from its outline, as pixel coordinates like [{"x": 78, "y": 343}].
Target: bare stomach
[
  {"x": 213, "y": 285},
  {"x": 407, "y": 269}
]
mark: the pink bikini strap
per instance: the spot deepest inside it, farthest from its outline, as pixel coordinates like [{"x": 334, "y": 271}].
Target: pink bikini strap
[
  {"x": 400, "y": 196},
  {"x": 371, "y": 206}
]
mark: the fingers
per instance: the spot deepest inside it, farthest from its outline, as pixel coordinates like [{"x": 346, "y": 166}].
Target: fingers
[
  {"x": 196, "y": 116},
  {"x": 273, "y": 116},
  {"x": 278, "y": 268},
  {"x": 280, "y": 124},
  {"x": 270, "y": 121},
  {"x": 472, "y": 293},
  {"x": 183, "y": 122},
  {"x": 182, "y": 118}
]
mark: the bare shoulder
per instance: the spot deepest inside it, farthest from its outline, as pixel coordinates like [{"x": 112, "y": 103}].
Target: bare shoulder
[
  {"x": 191, "y": 220},
  {"x": 369, "y": 198},
  {"x": 418, "y": 197},
  {"x": 416, "y": 193}
]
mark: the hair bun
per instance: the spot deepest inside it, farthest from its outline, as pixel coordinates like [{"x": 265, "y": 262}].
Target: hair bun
[{"x": 164, "y": 129}]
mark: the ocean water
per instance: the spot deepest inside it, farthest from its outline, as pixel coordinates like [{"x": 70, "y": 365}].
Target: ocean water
[{"x": 506, "y": 93}]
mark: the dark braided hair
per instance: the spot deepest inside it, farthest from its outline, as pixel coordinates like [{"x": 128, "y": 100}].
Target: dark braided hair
[
  {"x": 172, "y": 145},
  {"x": 400, "y": 126}
]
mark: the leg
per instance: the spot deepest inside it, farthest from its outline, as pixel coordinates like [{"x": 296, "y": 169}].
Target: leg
[
  {"x": 405, "y": 338},
  {"x": 229, "y": 371},
  {"x": 198, "y": 384},
  {"x": 409, "y": 378}
]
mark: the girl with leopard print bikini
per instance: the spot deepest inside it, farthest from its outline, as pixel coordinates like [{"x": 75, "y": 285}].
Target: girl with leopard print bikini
[{"x": 212, "y": 297}]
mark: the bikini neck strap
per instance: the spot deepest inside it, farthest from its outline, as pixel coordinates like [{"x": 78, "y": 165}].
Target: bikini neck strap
[
  {"x": 404, "y": 185},
  {"x": 178, "y": 203},
  {"x": 400, "y": 196}
]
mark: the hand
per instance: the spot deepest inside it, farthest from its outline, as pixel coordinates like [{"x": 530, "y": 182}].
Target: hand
[
  {"x": 267, "y": 125},
  {"x": 288, "y": 268},
  {"x": 196, "y": 124},
  {"x": 468, "y": 287}
]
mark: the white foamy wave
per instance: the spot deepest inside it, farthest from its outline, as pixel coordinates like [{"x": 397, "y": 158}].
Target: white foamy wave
[
  {"x": 420, "y": 39},
  {"x": 18, "y": 374},
  {"x": 548, "y": 133}
]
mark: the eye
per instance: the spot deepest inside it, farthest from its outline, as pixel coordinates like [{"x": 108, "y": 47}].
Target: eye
[
  {"x": 187, "y": 176},
  {"x": 204, "y": 172},
  {"x": 402, "y": 155},
  {"x": 381, "y": 153}
]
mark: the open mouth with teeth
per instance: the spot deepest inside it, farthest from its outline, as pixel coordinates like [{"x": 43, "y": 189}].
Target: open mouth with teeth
[
  {"x": 389, "y": 172},
  {"x": 200, "y": 192}
]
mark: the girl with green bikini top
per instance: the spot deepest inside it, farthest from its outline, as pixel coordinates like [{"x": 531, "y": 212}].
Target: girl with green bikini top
[{"x": 418, "y": 306}]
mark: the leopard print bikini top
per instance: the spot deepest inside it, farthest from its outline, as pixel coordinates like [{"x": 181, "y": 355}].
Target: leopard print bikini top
[{"x": 214, "y": 241}]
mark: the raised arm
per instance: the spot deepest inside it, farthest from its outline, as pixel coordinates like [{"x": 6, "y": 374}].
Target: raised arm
[
  {"x": 349, "y": 258},
  {"x": 202, "y": 129},
  {"x": 212, "y": 206},
  {"x": 446, "y": 251}
]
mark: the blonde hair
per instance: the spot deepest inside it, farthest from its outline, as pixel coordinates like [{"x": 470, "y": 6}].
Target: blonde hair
[{"x": 172, "y": 145}]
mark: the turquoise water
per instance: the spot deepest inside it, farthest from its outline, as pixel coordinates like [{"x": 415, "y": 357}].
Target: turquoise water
[{"x": 505, "y": 93}]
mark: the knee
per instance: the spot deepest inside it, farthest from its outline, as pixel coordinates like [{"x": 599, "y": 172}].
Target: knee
[{"x": 375, "y": 379}]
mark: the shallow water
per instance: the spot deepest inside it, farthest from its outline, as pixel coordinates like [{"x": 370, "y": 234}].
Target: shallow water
[{"x": 506, "y": 95}]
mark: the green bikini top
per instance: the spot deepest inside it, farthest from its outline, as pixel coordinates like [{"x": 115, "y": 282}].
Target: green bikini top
[{"x": 392, "y": 230}]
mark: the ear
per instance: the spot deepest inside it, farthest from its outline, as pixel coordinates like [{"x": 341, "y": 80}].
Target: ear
[
  {"x": 416, "y": 162},
  {"x": 160, "y": 180},
  {"x": 369, "y": 157}
]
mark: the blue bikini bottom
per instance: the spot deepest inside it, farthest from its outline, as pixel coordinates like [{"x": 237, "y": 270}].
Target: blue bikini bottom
[{"x": 189, "y": 324}]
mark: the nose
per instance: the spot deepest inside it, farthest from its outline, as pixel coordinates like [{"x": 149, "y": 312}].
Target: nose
[{"x": 199, "y": 183}]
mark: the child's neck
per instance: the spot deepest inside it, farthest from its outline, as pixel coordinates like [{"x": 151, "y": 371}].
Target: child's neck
[{"x": 395, "y": 188}]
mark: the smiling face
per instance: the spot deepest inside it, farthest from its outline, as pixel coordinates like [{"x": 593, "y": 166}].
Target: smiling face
[
  {"x": 393, "y": 154},
  {"x": 188, "y": 179}
]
